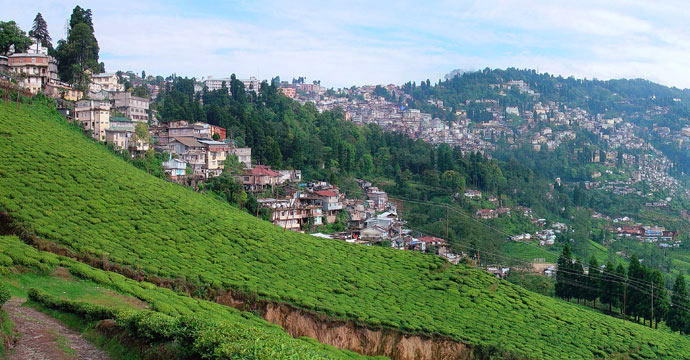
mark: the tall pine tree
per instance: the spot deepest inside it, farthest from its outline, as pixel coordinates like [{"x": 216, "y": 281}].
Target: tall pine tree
[
  {"x": 39, "y": 31},
  {"x": 635, "y": 300},
  {"x": 579, "y": 290}
]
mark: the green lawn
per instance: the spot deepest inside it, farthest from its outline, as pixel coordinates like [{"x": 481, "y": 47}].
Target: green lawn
[{"x": 528, "y": 252}]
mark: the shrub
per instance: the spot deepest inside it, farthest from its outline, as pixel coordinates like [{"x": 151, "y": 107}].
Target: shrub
[{"x": 4, "y": 293}]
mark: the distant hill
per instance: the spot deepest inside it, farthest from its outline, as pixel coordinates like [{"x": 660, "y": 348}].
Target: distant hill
[
  {"x": 58, "y": 186},
  {"x": 611, "y": 97}
]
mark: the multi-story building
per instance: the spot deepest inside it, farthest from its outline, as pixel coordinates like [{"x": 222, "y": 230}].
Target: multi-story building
[
  {"x": 251, "y": 84},
  {"x": 215, "y": 84},
  {"x": 190, "y": 151},
  {"x": 244, "y": 155},
  {"x": 105, "y": 82},
  {"x": 93, "y": 116},
  {"x": 123, "y": 139},
  {"x": 120, "y": 133},
  {"x": 222, "y": 133},
  {"x": 133, "y": 107},
  {"x": 205, "y": 157},
  {"x": 33, "y": 70},
  {"x": 175, "y": 168},
  {"x": 379, "y": 198},
  {"x": 215, "y": 152},
  {"x": 260, "y": 178},
  {"x": 290, "y": 92},
  {"x": 120, "y": 123},
  {"x": 291, "y": 214},
  {"x": 63, "y": 91}
]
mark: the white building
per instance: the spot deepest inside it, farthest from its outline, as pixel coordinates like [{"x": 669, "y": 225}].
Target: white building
[
  {"x": 105, "y": 82},
  {"x": 133, "y": 107},
  {"x": 244, "y": 155},
  {"x": 94, "y": 116},
  {"x": 215, "y": 84},
  {"x": 251, "y": 84}
]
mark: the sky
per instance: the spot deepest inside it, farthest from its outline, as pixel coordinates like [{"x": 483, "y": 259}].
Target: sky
[{"x": 379, "y": 42}]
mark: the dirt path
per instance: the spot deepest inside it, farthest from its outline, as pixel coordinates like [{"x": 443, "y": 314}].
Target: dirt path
[{"x": 44, "y": 338}]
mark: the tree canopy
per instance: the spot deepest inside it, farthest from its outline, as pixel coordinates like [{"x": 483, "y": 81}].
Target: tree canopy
[
  {"x": 79, "y": 53},
  {"x": 11, "y": 35},
  {"x": 39, "y": 31}
]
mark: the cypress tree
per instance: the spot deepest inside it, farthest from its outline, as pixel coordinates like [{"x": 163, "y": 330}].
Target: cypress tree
[
  {"x": 79, "y": 52},
  {"x": 621, "y": 290},
  {"x": 607, "y": 286},
  {"x": 563, "y": 273},
  {"x": 661, "y": 301},
  {"x": 635, "y": 298},
  {"x": 580, "y": 290},
  {"x": 593, "y": 280},
  {"x": 677, "y": 315}
]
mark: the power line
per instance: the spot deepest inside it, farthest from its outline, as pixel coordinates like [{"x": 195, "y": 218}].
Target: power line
[
  {"x": 462, "y": 212},
  {"x": 627, "y": 282}
]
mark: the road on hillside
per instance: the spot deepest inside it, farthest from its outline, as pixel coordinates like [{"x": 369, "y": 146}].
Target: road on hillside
[{"x": 42, "y": 337}]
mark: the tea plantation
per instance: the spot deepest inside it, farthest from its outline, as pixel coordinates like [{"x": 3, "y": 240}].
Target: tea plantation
[
  {"x": 64, "y": 188},
  {"x": 224, "y": 331}
]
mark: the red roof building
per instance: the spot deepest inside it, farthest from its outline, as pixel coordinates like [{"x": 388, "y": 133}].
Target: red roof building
[
  {"x": 326, "y": 193},
  {"x": 260, "y": 178},
  {"x": 430, "y": 240},
  {"x": 222, "y": 133}
]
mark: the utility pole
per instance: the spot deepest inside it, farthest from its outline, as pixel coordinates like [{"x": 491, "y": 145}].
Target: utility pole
[
  {"x": 625, "y": 292},
  {"x": 651, "y": 320},
  {"x": 446, "y": 222}
]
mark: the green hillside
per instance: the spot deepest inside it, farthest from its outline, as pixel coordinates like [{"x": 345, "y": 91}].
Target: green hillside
[
  {"x": 96, "y": 295},
  {"x": 64, "y": 188}
]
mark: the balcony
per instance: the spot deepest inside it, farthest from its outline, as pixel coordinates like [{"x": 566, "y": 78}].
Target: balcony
[{"x": 332, "y": 206}]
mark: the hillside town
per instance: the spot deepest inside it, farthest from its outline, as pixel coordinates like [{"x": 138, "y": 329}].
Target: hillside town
[{"x": 112, "y": 113}]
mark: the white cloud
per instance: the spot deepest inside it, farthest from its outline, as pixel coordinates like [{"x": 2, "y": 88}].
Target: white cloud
[{"x": 354, "y": 42}]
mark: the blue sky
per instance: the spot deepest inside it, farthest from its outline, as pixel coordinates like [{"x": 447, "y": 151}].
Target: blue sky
[{"x": 364, "y": 42}]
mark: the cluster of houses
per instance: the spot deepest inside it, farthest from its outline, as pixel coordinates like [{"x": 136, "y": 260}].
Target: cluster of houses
[
  {"x": 649, "y": 234},
  {"x": 370, "y": 221},
  {"x": 544, "y": 237},
  {"x": 198, "y": 147},
  {"x": 113, "y": 119},
  {"x": 107, "y": 112}
]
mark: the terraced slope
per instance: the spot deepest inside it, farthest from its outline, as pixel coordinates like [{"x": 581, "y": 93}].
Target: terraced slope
[{"x": 64, "y": 188}]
